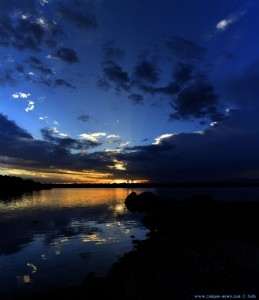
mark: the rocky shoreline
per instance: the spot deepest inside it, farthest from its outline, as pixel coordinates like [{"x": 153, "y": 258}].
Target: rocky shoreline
[{"x": 195, "y": 248}]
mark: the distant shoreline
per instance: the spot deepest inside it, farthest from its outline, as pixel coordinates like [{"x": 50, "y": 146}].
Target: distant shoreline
[
  {"x": 153, "y": 185},
  {"x": 13, "y": 184}
]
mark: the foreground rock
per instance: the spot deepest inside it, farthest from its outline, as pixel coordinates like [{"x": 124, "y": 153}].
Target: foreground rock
[{"x": 144, "y": 202}]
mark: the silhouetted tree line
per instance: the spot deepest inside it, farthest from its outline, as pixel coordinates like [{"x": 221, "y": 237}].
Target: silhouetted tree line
[
  {"x": 14, "y": 184},
  {"x": 153, "y": 185}
]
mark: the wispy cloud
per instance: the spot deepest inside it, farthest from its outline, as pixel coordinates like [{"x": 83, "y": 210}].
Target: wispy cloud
[
  {"x": 31, "y": 105},
  {"x": 20, "y": 95},
  {"x": 92, "y": 136},
  {"x": 118, "y": 165},
  {"x": 43, "y": 118},
  {"x": 159, "y": 139},
  {"x": 45, "y": 2},
  {"x": 232, "y": 18}
]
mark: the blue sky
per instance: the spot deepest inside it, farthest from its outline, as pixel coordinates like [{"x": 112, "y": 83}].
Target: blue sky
[{"x": 110, "y": 91}]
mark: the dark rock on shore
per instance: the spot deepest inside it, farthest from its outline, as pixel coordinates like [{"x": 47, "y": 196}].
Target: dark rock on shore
[{"x": 144, "y": 202}]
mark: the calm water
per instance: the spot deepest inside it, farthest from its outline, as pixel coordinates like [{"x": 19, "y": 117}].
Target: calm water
[
  {"x": 53, "y": 238},
  {"x": 226, "y": 194}
]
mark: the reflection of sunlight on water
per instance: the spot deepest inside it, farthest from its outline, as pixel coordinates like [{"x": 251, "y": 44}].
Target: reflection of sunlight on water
[
  {"x": 120, "y": 207},
  {"x": 57, "y": 245},
  {"x": 64, "y": 240},
  {"x": 82, "y": 197},
  {"x": 62, "y": 234},
  {"x": 69, "y": 197},
  {"x": 94, "y": 237}
]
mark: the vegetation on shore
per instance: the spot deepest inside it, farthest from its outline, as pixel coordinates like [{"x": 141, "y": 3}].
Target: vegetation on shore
[
  {"x": 11, "y": 184},
  {"x": 154, "y": 185},
  {"x": 15, "y": 183}
]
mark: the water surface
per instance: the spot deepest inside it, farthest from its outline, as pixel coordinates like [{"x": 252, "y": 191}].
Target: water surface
[{"x": 53, "y": 238}]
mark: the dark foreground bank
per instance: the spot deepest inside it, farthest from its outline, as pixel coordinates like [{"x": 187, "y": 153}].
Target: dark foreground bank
[{"x": 197, "y": 249}]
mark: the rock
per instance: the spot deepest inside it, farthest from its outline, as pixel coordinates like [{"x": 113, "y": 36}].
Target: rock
[{"x": 144, "y": 202}]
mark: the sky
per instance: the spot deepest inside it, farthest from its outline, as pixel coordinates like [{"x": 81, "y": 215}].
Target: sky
[{"x": 129, "y": 91}]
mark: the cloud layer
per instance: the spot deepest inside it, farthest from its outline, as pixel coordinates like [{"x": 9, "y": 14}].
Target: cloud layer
[{"x": 188, "y": 89}]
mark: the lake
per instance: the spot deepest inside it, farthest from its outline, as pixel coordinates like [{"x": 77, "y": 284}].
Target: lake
[
  {"x": 54, "y": 238},
  {"x": 219, "y": 194}
]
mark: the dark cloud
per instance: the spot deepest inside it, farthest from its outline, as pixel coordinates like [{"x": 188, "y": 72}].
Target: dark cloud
[
  {"x": 103, "y": 84},
  {"x": 111, "y": 53},
  {"x": 8, "y": 77},
  {"x": 23, "y": 35},
  {"x": 84, "y": 118},
  {"x": 28, "y": 35},
  {"x": 146, "y": 71},
  {"x": 51, "y": 43},
  {"x": 5, "y": 32},
  {"x": 9, "y": 130},
  {"x": 26, "y": 27},
  {"x": 242, "y": 90},
  {"x": 21, "y": 28},
  {"x": 19, "y": 68},
  {"x": 11, "y": 6},
  {"x": 188, "y": 89},
  {"x": 47, "y": 82},
  {"x": 81, "y": 19},
  {"x": 185, "y": 49},
  {"x": 136, "y": 98},
  {"x": 20, "y": 149},
  {"x": 44, "y": 75},
  {"x": 37, "y": 65},
  {"x": 63, "y": 82},
  {"x": 214, "y": 155},
  {"x": 66, "y": 142},
  {"x": 115, "y": 74},
  {"x": 194, "y": 96},
  {"x": 66, "y": 54},
  {"x": 196, "y": 101},
  {"x": 170, "y": 90},
  {"x": 183, "y": 72}
]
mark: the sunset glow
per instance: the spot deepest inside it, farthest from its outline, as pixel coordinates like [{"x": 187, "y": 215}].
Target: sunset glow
[{"x": 129, "y": 91}]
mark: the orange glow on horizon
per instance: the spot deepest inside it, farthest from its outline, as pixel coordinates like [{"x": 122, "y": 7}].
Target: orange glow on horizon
[{"x": 69, "y": 177}]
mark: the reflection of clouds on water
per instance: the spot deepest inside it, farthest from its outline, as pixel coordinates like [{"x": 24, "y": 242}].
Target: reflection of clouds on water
[
  {"x": 20, "y": 229},
  {"x": 48, "y": 235},
  {"x": 14, "y": 199},
  {"x": 32, "y": 266},
  {"x": 94, "y": 237},
  {"x": 85, "y": 255},
  {"x": 53, "y": 225},
  {"x": 24, "y": 279},
  {"x": 58, "y": 243}
]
